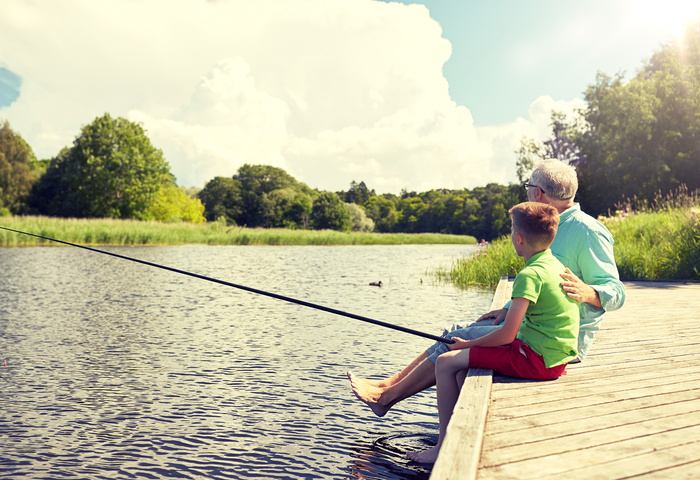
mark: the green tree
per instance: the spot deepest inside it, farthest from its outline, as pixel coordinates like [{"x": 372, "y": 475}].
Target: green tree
[
  {"x": 18, "y": 170},
  {"x": 561, "y": 146},
  {"x": 383, "y": 213},
  {"x": 330, "y": 212},
  {"x": 358, "y": 193},
  {"x": 173, "y": 204},
  {"x": 640, "y": 137},
  {"x": 260, "y": 205},
  {"x": 222, "y": 197},
  {"x": 412, "y": 210},
  {"x": 359, "y": 219},
  {"x": 112, "y": 170}
]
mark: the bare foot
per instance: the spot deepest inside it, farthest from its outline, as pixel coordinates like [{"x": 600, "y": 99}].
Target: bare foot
[
  {"x": 369, "y": 394},
  {"x": 426, "y": 456}
]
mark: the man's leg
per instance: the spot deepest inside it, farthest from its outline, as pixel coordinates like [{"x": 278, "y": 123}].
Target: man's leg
[
  {"x": 387, "y": 382},
  {"x": 381, "y": 399},
  {"x": 470, "y": 332}
]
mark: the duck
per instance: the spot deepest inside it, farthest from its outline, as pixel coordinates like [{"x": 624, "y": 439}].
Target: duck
[{"x": 376, "y": 284}]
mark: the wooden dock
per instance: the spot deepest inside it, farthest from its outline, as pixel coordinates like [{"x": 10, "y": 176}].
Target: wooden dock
[{"x": 631, "y": 409}]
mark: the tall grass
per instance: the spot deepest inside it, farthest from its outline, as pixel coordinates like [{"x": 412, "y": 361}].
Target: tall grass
[
  {"x": 486, "y": 266},
  {"x": 657, "y": 240},
  {"x": 662, "y": 244},
  {"x": 133, "y": 232}
]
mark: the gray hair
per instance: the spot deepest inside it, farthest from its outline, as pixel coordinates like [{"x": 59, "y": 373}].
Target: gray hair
[{"x": 557, "y": 179}]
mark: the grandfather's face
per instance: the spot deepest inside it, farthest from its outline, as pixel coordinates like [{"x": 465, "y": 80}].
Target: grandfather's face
[{"x": 532, "y": 192}]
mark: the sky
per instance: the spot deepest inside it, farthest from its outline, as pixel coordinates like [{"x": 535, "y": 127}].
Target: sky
[{"x": 407, "y": 95}]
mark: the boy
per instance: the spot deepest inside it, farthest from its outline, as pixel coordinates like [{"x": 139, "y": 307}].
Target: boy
[{"x": 540, "y": 333}]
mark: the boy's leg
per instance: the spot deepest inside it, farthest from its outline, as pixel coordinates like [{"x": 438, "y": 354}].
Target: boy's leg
[
  {"x": 449, "y": 368},
  {"x": 470, "y": 332}
]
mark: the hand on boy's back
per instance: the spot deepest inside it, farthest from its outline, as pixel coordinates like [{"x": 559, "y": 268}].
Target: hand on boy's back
[
  {"x": 497, "y": 316},
  {"x": 578, "y": 289}
]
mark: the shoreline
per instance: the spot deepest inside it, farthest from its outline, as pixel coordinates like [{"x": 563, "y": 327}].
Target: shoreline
[{"x": 114, "y": 232}]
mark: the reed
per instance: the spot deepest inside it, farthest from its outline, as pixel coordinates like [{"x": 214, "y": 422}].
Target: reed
[
  {"x": 658, "y": 244},
  {"x": 485, "y": 267},
  {"x": 132, "y": 232},
  {"x": 658, "y": 240}
]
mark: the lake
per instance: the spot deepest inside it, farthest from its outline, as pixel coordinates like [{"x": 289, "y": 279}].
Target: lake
[{"x": 113, "y": 369}]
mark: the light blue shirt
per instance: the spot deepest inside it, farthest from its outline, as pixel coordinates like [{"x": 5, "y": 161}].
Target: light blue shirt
[{"x": 585, "y": 246}]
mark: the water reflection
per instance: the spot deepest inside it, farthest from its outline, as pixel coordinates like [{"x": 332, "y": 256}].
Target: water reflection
[{"x": 119, "y": 369}]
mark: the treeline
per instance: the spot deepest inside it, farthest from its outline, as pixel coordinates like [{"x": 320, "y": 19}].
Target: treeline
[
  {"x": 633, "y": 140},
  {"x": 265, "y": 196},
  {"x": 113, "y": 171}
]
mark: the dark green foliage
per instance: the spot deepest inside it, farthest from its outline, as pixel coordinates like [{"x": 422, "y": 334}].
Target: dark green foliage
[
  {"x": 329, "y": 212},
  {"x": 358, "y": 193},
  {"x": 270, "y": 197},
  {"x": 481, "y": 212},
  {"x": 111, "y": 171},
  {"x": 222, "y": 198}
]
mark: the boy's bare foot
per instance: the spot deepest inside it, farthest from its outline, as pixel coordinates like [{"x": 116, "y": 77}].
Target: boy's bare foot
[
  {"x": 426, "y": 456},
  {"x": 369, "y": 394}
]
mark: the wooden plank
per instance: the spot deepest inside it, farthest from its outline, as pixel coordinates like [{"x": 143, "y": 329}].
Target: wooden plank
[
  {"x": 599, "y": 461},
  {"x": 461, "y": 449}
]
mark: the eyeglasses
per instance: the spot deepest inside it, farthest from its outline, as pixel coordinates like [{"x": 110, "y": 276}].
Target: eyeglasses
[{"x": 528, "y": 185}]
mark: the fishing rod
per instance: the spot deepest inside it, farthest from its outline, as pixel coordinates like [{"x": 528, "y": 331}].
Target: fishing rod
[{"x": 247, "y": 289}]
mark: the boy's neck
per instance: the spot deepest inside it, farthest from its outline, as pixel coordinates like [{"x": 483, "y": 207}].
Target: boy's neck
[{"x": 529, "y": 253}]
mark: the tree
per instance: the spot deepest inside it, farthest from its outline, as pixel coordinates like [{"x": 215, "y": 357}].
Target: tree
[
  {"x": 222, "y": 198},
  {"x": 636, "y": 138},
  {"x": 383, "y": 212},
  {"x": 560, "y": 146},
  {"x": 358, "y": 193},
  {"x": 330, "y": 212},
  {"x": 360, "y": 221},
  {"x": 289, "y": 203},
  {"x": 173, "y": 204},
  {"x": 112, "y": 170},
  {"x": 18, "y": 170}
]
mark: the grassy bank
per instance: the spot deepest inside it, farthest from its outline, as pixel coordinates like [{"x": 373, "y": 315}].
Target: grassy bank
[
  {"x": 655, "y": 244},
  {"x": 132, "y": 232}
]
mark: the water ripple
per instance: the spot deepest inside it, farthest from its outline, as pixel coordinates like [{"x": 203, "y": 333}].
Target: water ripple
[{"x": 119, "y": 371}]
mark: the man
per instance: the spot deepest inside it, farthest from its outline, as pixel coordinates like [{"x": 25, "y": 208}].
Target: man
[{"x": 582, "y": 244}]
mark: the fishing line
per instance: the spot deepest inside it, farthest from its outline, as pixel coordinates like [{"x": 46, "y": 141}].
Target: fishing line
[{"x": 248, "y": 289}]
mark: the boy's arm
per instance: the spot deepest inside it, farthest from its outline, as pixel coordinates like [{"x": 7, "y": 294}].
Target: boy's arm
[{"x": 504, "y": 335}]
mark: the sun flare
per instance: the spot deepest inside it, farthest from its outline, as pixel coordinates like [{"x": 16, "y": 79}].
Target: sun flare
[{"x": 669, "y": 16}]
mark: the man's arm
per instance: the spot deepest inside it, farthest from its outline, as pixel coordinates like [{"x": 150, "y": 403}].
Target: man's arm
[{"x": 594, "y": 279}]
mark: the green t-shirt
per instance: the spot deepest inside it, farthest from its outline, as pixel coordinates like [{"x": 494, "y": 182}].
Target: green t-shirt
[{"x": 551, "y": 323}]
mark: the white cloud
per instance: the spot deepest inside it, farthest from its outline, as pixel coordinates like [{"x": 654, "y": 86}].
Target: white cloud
[{"x": 331, "y": 91}]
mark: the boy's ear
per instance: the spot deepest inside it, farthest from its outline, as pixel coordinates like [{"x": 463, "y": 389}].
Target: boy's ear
[{"x": 519, "y": 238}]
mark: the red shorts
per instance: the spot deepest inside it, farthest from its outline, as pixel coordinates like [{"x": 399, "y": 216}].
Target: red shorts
[{"x": 516, "y": 359}]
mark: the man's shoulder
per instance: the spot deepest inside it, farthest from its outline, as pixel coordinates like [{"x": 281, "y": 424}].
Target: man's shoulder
[{"x": 579, "y": 219}]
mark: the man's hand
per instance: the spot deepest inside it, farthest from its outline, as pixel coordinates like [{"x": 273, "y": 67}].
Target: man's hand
[
  {"x": 579, "y": 290},
  {"x": 498, "y": 316}
]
